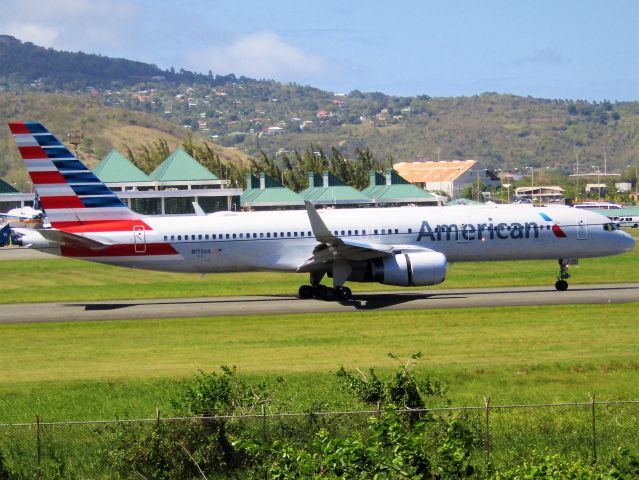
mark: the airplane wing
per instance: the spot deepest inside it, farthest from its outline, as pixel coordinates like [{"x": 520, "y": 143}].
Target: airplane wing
[
  {"x": 70, "y": 239},
  {"x": 334, "y": 249}
]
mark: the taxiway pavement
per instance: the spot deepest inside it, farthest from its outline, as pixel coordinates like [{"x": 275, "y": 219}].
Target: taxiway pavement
[{"x": 361, "y": 302}]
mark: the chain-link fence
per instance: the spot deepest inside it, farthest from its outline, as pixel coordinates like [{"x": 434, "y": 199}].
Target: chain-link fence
[{"x": 503, "y": 435}]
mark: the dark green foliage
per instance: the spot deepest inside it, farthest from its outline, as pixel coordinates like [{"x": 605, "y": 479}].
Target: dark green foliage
[
  {"x": 25, "y": 62},
  {"x": 4, "y": 472},
  {"x": 400, "y": 390},
  {"x": 623, "y": 465},
  {"x": 183, "y": 449},
  {"x": 294, "y": 169},
  {"x": 389, "y": 448}
]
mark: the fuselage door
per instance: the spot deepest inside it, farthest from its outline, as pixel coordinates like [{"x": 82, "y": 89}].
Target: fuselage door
[
  {"x": 139, "y": 238},
  {"x": 582, "y": 228}
]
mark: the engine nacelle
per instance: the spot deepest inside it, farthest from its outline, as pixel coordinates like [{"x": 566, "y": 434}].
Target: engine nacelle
[{"x": 415, "y": 269}]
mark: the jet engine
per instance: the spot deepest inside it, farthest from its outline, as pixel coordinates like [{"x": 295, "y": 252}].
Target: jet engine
[{"x": 403, "y": 269}]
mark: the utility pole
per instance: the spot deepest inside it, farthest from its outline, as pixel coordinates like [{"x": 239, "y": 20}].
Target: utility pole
[{"x": 577, "y": 176}]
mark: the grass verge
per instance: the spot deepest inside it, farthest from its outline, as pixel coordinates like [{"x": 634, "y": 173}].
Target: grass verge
[{"x": 512, "y": 354}]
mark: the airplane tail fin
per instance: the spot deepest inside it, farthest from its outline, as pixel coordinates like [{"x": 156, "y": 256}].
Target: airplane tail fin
[{"x": 73, "y": 198}]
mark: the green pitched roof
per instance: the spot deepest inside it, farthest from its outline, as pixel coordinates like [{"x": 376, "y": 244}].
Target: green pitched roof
[
  {"x": 399, "y": 193},
  {"x": 115, "y": 168},
  {"x": 392, "y": 188},
  {"x": 5, "y": 188},
  {"x": 329, "y": 189},
  {"x": 180, "y": 166},
  {"x": 265, "y": 191}
]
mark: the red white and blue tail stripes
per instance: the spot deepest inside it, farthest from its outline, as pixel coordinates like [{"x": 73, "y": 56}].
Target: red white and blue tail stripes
[{"x": 73, "y": 198}]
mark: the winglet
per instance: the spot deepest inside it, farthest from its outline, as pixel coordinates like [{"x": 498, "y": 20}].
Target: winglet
[{"x": 320, "y": 230}]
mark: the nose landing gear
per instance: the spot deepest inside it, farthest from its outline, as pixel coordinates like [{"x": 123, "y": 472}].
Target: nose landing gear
[{"x": 561, "y": 284}]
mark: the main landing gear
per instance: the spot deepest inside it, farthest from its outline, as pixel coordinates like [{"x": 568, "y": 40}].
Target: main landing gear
[
  {"x": 561, "y": 284},
  {"x": 317, "y": 290}
]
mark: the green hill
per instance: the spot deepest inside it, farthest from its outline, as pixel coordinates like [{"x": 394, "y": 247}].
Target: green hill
[{"x": 501, "y": 131}]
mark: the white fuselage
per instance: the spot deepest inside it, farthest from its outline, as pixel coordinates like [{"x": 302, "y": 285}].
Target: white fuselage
[{"x": 283, "y": 240}]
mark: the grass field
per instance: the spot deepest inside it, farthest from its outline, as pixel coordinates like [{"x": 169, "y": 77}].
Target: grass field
[
  {"x": 127, "y": 368},
  {"x": 58, "y": 279}
]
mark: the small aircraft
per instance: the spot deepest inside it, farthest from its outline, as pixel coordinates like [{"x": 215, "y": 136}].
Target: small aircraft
[
  {"x": 392, "y": 246},
  {"x": 23, "y": 217}
]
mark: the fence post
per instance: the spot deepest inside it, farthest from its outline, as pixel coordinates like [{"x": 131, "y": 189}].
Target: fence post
[
  {"x": 594, "y": 431},
  {"x": 487, "y": 441},
  {"x": 264, "y": 427},
  {"x": 38, "y": 443}
]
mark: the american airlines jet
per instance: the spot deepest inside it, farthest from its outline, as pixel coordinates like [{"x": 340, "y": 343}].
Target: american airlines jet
[{"x": 407, "y": 246}]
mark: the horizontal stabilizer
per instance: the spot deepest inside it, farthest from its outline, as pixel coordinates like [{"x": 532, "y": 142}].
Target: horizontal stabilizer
[{"x": 70, "y": 239}]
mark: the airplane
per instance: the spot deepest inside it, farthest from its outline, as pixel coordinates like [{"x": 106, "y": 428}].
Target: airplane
[
  {"x": 22, "y": 217},
  {"x": 391, "y": 246}
]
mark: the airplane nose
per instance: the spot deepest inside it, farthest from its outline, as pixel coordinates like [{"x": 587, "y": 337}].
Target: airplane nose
[{"x": 627, "y": 242}]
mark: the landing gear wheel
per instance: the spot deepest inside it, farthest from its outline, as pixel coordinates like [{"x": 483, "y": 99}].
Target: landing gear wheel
[
  {"x": 306, "y": 291},
  {"x": 325, "y": 293},
  {"x": 561, "y": 285},
  {"x": 343, "y": 293}
]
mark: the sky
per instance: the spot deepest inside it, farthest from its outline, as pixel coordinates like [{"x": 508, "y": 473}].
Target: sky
[{"x": 560, "y": 49}]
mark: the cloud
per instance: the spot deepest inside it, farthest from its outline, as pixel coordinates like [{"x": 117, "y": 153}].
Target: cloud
[
  {"x": 68, "y": 24},
  {"x": 259, "y": 55},
  {"x": 546, "y": 57},
  {"x": 32, "y": 32}
]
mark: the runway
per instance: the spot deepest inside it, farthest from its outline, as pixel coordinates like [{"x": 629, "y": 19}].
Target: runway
[{"x": 269, "y": 305}]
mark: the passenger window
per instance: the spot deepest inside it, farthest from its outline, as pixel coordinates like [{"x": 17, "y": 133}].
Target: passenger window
[
  {"x": 234, "y": 235},
  {"x": 172, "y": 237},
  {"x": 375, "y": 232},
  {"x": 282, "y": 234},
  {"x": 268, "y": 234},
  {"x": 179, "y": 237},
  {"x": 261, "y": 235},
  {"x": 206, "y": 237},
  {"x": 192, "y": 237},
  {"x": 288, "y": 234},
  {"x": 255, "y": 235},
  {"x": 356, "y": 232},
  {"x": 295, "y": 234},
  {"x": 343, "y": 232},
  {"x": 227, "y": 236},
  {"x": 166, "y": 238},
  {"x": 396, "y": 231},
  {"x": 199, "y": 237},
  {"x": 363, "y": 232},
  {"x": 349, "y": 232},
  {"x": 309, "y": 234},
  {"x": 275, "y": 234},
  {"x": 302, "y": 234},
  {"x": 410, "y": 230}
]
